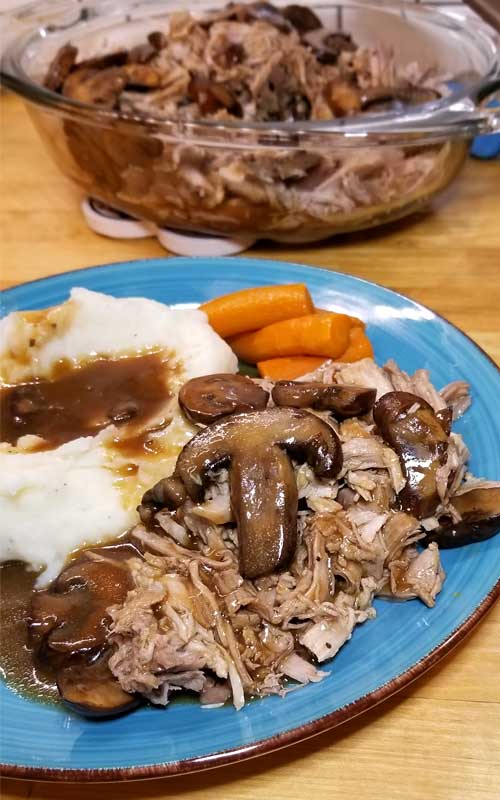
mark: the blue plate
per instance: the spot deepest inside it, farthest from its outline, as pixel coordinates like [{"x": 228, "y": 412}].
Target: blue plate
[{"x": 383, "y": 655}]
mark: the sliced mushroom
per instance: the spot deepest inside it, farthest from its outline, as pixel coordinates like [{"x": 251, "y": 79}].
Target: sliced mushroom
[
  {"x": 445, "y": 417},
  {"x": 71, "y": 616},
  {"x": 99, "y": 87},
  {"x": 157, "y": 39},
  {"x": 211, "y": 397},
  {"x": 256, "y": 447},
  {"x": 302, "y": 18},
  {"x": 392, "y": 98},
  {"x": 331, "y": 46},
  {"x": 480, "y": 511},
  {"x": 246, "y": 12},
  {"x": 60, "y": 67},
  {"x": 233, "y": 54},
  {"x": 115, "y": 59},
  {"x": 409, "y": 425},
  {"x": 141, "y": 53},
  {"x": 343, "y": 400},
  {"x": 168, "y": 492},
  {"x": 91, "y": 689},
  {"x": 211, "y": 96}
]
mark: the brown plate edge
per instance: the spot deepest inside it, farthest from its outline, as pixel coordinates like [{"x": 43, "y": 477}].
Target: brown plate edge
[{"x": 225, "y": 757}]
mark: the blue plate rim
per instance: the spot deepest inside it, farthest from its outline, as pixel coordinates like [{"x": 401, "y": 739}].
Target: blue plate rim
[
  {"x": 264, "y": 746},
  {"x": 302, "y": 732}
]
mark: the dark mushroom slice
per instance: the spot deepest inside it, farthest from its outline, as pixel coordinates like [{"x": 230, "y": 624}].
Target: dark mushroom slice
[
  {"x": 208, "y": 398},
  {"x": 157, "y": 39},
  {"x": 302, "y": 18},
  {"x": 92, "y": 690},
  {"x": 393, "y": 98},
  {"x": 212, "y": 96},
  {"x": 232, "y": 55},
  {"x": 103, "y": 86},
  {"x": 92, "y": 86},
  {"x": 328, "y": 50},
  {"x": 266, "y": 12},
  {"x": 255, "y": 446},
  {"x": 339, "y": 41},
  {"x": 71, "y": 616},
  {"x": 61, "y": 66},
  {"x": 167, "y": 493},
  {"x": 248, "y": 12},
  {"x": 141, "y": 53},
  {"x": 445, "y": 417},
  {"x": 480, "y": 511},
  {"x": 409, "y": 426},
  {"x": 115, "y": 59},
  {"x": 343, "y": 400}
]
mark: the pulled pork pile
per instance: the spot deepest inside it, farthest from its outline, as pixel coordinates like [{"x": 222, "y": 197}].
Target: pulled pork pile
[
  {"x": 193, "y": 622},
  {"x": 247, "y": 63},
  {"x": 250, "y": 62}
]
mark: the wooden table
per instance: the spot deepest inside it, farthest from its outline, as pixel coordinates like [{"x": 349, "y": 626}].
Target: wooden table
[{"x": 440, "y": 738}]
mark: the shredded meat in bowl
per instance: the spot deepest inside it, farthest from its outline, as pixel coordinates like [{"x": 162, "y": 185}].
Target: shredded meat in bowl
[{"x": 249, "y": 63}]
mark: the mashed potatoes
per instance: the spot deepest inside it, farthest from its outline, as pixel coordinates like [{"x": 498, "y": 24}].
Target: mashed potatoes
[{"x": 53, "y": 501}]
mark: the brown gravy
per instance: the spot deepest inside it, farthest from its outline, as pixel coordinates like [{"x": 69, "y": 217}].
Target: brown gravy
[
  {"x": 85, "y": 399},
  {"x": 20, "y": 668},
  {"x": 17, "y": 663}
]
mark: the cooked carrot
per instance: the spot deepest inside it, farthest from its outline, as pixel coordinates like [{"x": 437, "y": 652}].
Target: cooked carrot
[
  {"x": 355, "y": 321},
  {"x": 251, "y": 309},
  {"x": 359, "y": 346},
  {"x": 324, "y": 335},
  {"x": 286, "y": 369}
]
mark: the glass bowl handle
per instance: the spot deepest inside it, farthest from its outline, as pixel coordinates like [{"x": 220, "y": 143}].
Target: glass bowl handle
[{"x": 491, "y": 114}]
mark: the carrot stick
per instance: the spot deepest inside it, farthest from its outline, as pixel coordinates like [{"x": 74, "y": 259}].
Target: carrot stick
[
  {"x": 251, "y": 309},
  {"x": 324, "y": 335},
  {"x": 355, "y": 321},
  {"x": 286, "y": 369},
  {"x": 359, "y": 346}
]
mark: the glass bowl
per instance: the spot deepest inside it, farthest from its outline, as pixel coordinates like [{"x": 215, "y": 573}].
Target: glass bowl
[{"x": 286, "y": 181}]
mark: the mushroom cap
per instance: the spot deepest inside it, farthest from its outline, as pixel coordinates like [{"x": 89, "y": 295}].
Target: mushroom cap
[
  {"x": 210, "y": 397},
  {"x": 256, "y": 447},
  {"x": 410, "y": 426},
  {"x": 71, "y": 616},
  {"x": 479, "y": 508},
  {"x": 342, "y": 400},
  {"x": 302, "y": 434},
  {"x": 91, "y": 690}
]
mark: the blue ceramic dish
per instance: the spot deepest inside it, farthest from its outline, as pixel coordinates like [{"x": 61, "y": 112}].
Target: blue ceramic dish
[{"x": 383, "y": 655}]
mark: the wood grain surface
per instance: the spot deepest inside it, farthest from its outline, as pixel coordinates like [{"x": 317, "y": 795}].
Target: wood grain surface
[{"x": 439, "y": 739}]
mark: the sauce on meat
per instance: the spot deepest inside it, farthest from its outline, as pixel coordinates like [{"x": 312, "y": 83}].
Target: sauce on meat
[
  {"x": 21, "y": 669},
  {"x": 82, "y": 400}
]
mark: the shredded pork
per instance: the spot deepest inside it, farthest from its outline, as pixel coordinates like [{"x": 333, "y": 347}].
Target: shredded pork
[
  {"x": 248, "y": 63},
  {"x": 193, "y": 622}
]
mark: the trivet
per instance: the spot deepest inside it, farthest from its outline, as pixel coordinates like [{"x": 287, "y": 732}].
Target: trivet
[{"x": 108, "y": 221}]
